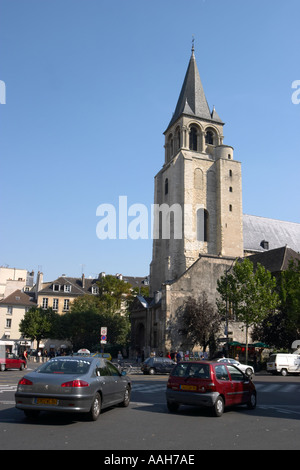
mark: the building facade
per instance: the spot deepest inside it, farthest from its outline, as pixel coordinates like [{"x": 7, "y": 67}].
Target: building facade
[
  {"x": 200, "y": 230},
  {"x": 12, "y": 311},
  {"x": 198, "y": 189}
]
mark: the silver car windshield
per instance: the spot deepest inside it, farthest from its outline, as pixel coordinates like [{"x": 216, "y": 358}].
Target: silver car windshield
[{"x": 65, "y": 366}]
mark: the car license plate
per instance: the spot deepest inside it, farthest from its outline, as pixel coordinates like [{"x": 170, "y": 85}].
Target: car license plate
[
  {"x": 46, "y": 401},
  {"x": 188, "y": 387}
]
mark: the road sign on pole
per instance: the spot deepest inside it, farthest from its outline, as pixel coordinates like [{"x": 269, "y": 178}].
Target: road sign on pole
[{"x": 103, "y": 335}]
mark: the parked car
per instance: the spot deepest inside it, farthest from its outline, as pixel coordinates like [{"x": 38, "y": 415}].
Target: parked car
[
  {"x": 11, "y": 361},
  {"x": 157, "y": 365},
  {"x": 209, "y": 384},
  {"x": 284, "y": 364},
  {"x": 248, "y": 370},
  {"x": 73, "y": 384}
]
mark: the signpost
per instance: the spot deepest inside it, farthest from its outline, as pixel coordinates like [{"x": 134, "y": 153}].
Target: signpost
[{"x": 103, "y": 333}]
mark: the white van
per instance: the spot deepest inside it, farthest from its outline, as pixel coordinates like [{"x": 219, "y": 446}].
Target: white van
[{"x": 284, "y": 364}]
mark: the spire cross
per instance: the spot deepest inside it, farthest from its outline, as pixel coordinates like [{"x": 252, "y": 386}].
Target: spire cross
[{"x": 193, "y": 42}]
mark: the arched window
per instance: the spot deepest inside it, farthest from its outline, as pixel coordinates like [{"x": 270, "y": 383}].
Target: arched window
[
  {"x": 170, "y": 146},
  {"x": 209, "y": 138},
  {"x": 193, "y": 138},
  {"x": 202, "y": 225},
  {"x": 166, "y": 186}
]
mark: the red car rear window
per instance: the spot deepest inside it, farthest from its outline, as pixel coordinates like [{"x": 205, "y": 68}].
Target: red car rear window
[{"x": 197, "y": 370}]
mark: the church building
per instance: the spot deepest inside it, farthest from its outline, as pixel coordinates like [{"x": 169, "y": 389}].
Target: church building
[{"x": 199, "y": 226}]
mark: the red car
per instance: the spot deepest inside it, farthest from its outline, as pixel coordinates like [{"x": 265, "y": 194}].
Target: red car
[
  {"x": 11, "y": 361},
  {"x": 210, "y": 384}
]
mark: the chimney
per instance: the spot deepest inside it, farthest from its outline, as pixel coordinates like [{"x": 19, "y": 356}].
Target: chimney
[{"x": 83, "y": 281}]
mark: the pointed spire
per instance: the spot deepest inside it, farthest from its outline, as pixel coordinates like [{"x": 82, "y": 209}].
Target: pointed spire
[
  {"x": 193, "y": 43},
  {"x": 215, "y": 116},
  {"x": 192, "y": 100}
]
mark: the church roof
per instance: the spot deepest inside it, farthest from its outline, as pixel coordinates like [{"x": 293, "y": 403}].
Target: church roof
[
  {"x": 277, "y": 233},
  {"x": 192, "y": 100},
  {"x": 276, "y": 260}
]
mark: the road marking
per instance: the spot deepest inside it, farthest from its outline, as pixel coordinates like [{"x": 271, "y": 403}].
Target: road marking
[
  {"x": 148, "y": 388},
  {"x": 279, "y": 388},
  {"x": 8, "y": 388}
]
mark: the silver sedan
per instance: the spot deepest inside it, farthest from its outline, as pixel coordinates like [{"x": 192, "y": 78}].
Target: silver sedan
[{"x": 73, "y": 384}]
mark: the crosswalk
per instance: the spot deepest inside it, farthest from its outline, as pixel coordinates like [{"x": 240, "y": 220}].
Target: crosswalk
[
  {"x": 260, "y": 387},
  {"x": 155, "y": 388},
  {"x": 147, "y": 388},
  {"x": 7, "y": 388}
]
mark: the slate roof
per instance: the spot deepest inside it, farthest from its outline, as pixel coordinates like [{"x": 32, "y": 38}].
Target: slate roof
[
  {"x": 276, "y": 260},
  {"x": 78, "y": 287},
  {"x": 76, "y": 284},
  {"x": 277, "y": 233},
  {"x": 192, "y": 100},
  {"x": 20, "y": 298}
]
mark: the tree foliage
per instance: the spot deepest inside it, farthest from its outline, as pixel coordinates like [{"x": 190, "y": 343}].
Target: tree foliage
[
  {"x": 82, "y": 325},
  {"x": 113, "y": 292},
  {"x": 281, "y": 328},
  {"x": 199, "y": 322},
  {"x": 251, "y": 293},
  {"x": 39, "y": 324},
  {"x": 89, "y": 313}
]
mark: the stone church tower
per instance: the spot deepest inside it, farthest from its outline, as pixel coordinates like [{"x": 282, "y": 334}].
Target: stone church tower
[{"x": 198, "y": 191}]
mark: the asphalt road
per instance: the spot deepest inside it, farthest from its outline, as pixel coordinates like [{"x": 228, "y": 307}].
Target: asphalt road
[{"x": 147, "y": 425}]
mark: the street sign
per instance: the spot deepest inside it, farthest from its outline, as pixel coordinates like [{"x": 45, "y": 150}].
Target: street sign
[{"x": 103, "y": 335}]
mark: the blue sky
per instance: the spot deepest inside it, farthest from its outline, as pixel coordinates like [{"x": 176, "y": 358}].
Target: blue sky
[{"x": 91, "y": 86}]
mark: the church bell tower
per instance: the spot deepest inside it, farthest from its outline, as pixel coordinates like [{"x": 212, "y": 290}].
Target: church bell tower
[{"x": 198, "y": 191}]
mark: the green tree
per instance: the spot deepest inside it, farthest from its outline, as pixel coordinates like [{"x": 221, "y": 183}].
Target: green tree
[
  {"x": 199, "y": 322},
  {"x": 113, "y": 292},
  {"x": 251, "y": 293},
  {"x": 289, "y": 291},
  {"x": 39, "y": 324},
  {"x": 281, "y": 328},
  {"x": 83, "y": 323}
]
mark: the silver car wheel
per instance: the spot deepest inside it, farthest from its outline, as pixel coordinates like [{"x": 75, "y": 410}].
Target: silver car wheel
[
  {"x": 96, "y": 407},
  {"x": 218, "y": 407},
  {"x": 126, "y": 400}
]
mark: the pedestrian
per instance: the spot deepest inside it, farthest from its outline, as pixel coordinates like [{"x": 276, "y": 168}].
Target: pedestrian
[
  {"x": 25, "y": 357},
  {"x": 168, "y": 355},
  {"x": 120, "y": 357},
  {"x": 178, "y": 357}
]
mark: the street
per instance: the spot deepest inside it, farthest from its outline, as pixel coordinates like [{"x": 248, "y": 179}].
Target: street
[{"x": 147, "y": 425}]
